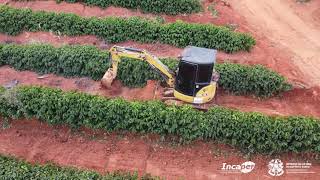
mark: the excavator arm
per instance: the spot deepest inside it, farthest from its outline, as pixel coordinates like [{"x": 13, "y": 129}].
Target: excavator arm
[{"x": 117, "y": 52}]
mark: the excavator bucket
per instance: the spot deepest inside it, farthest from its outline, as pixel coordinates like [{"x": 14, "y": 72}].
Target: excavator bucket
[{"x": 108, "y": 78}]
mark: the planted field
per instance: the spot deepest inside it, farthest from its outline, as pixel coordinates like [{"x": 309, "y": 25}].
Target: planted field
[{"x": 247, "y": 82}]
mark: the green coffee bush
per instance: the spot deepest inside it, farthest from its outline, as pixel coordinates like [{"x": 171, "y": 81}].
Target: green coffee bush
[
  {"x": 115, "y": 29},
  {"x": 12, "y": 168},
  {"x": 246, "y": 80},
  {"x": 234, "y": 78},
  {"x": 171, "y": 7},
  {"x": 69, "y": 61},
  {"x": 251, "y": 132},
  {"x": 136, "y": 73}
]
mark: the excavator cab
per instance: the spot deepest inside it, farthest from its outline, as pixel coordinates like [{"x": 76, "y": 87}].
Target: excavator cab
[{"x": 195, "y": 77}]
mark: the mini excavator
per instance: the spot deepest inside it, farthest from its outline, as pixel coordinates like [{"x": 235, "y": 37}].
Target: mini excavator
[{"x": 194, "y": 82}]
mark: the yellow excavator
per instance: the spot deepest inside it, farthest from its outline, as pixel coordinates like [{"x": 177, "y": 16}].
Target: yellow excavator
[{"x": 195, "y": 80}]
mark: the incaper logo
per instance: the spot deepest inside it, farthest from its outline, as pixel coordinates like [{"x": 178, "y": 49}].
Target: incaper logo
[
  {"x": 245, "y": 167},
  {"x": 275, "y": 167}
]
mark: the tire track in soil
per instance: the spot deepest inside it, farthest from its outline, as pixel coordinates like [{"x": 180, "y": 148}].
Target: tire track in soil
[{"x": 285, "y": 26}]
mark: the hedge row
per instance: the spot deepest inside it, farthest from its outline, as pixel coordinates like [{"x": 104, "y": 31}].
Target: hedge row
[
  {"x": 171, "y": 7},
  {"x": 251, "y": 132},
  {"x": 254, "y": 80},
  {"x": 115, "y": 29},
  {"x": 69, "y": 61},
  {"x": 136, "y": 73},
  {"x": 234, "y": 78},
  {"x": 11, "y": 168},
  {"x": 88, "y": 61}
]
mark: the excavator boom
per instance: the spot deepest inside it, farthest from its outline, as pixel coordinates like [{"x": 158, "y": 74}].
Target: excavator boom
[{"x": 118, "y": 52}]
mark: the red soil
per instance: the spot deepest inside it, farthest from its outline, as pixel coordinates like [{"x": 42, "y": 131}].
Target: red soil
[
  {"x": 291, "y": 27},
  {"x": 86, "y": 85},
  {"x": 38, "y": 142}
]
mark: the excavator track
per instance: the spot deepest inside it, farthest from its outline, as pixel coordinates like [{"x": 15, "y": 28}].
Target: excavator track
[{"x": 168, "y": 98}]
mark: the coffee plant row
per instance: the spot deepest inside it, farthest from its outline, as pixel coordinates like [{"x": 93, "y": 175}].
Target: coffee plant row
[
  {"x": 170, "y": 7},
  {"x": 234, "y": 78},
  {"x": 11, "y": 168},
  {"x": 89, "y": 61},
  {"x": 68, "y": 61},
  {"x": 250, "y": 132},
  {"x": 115, "y": 29}
]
